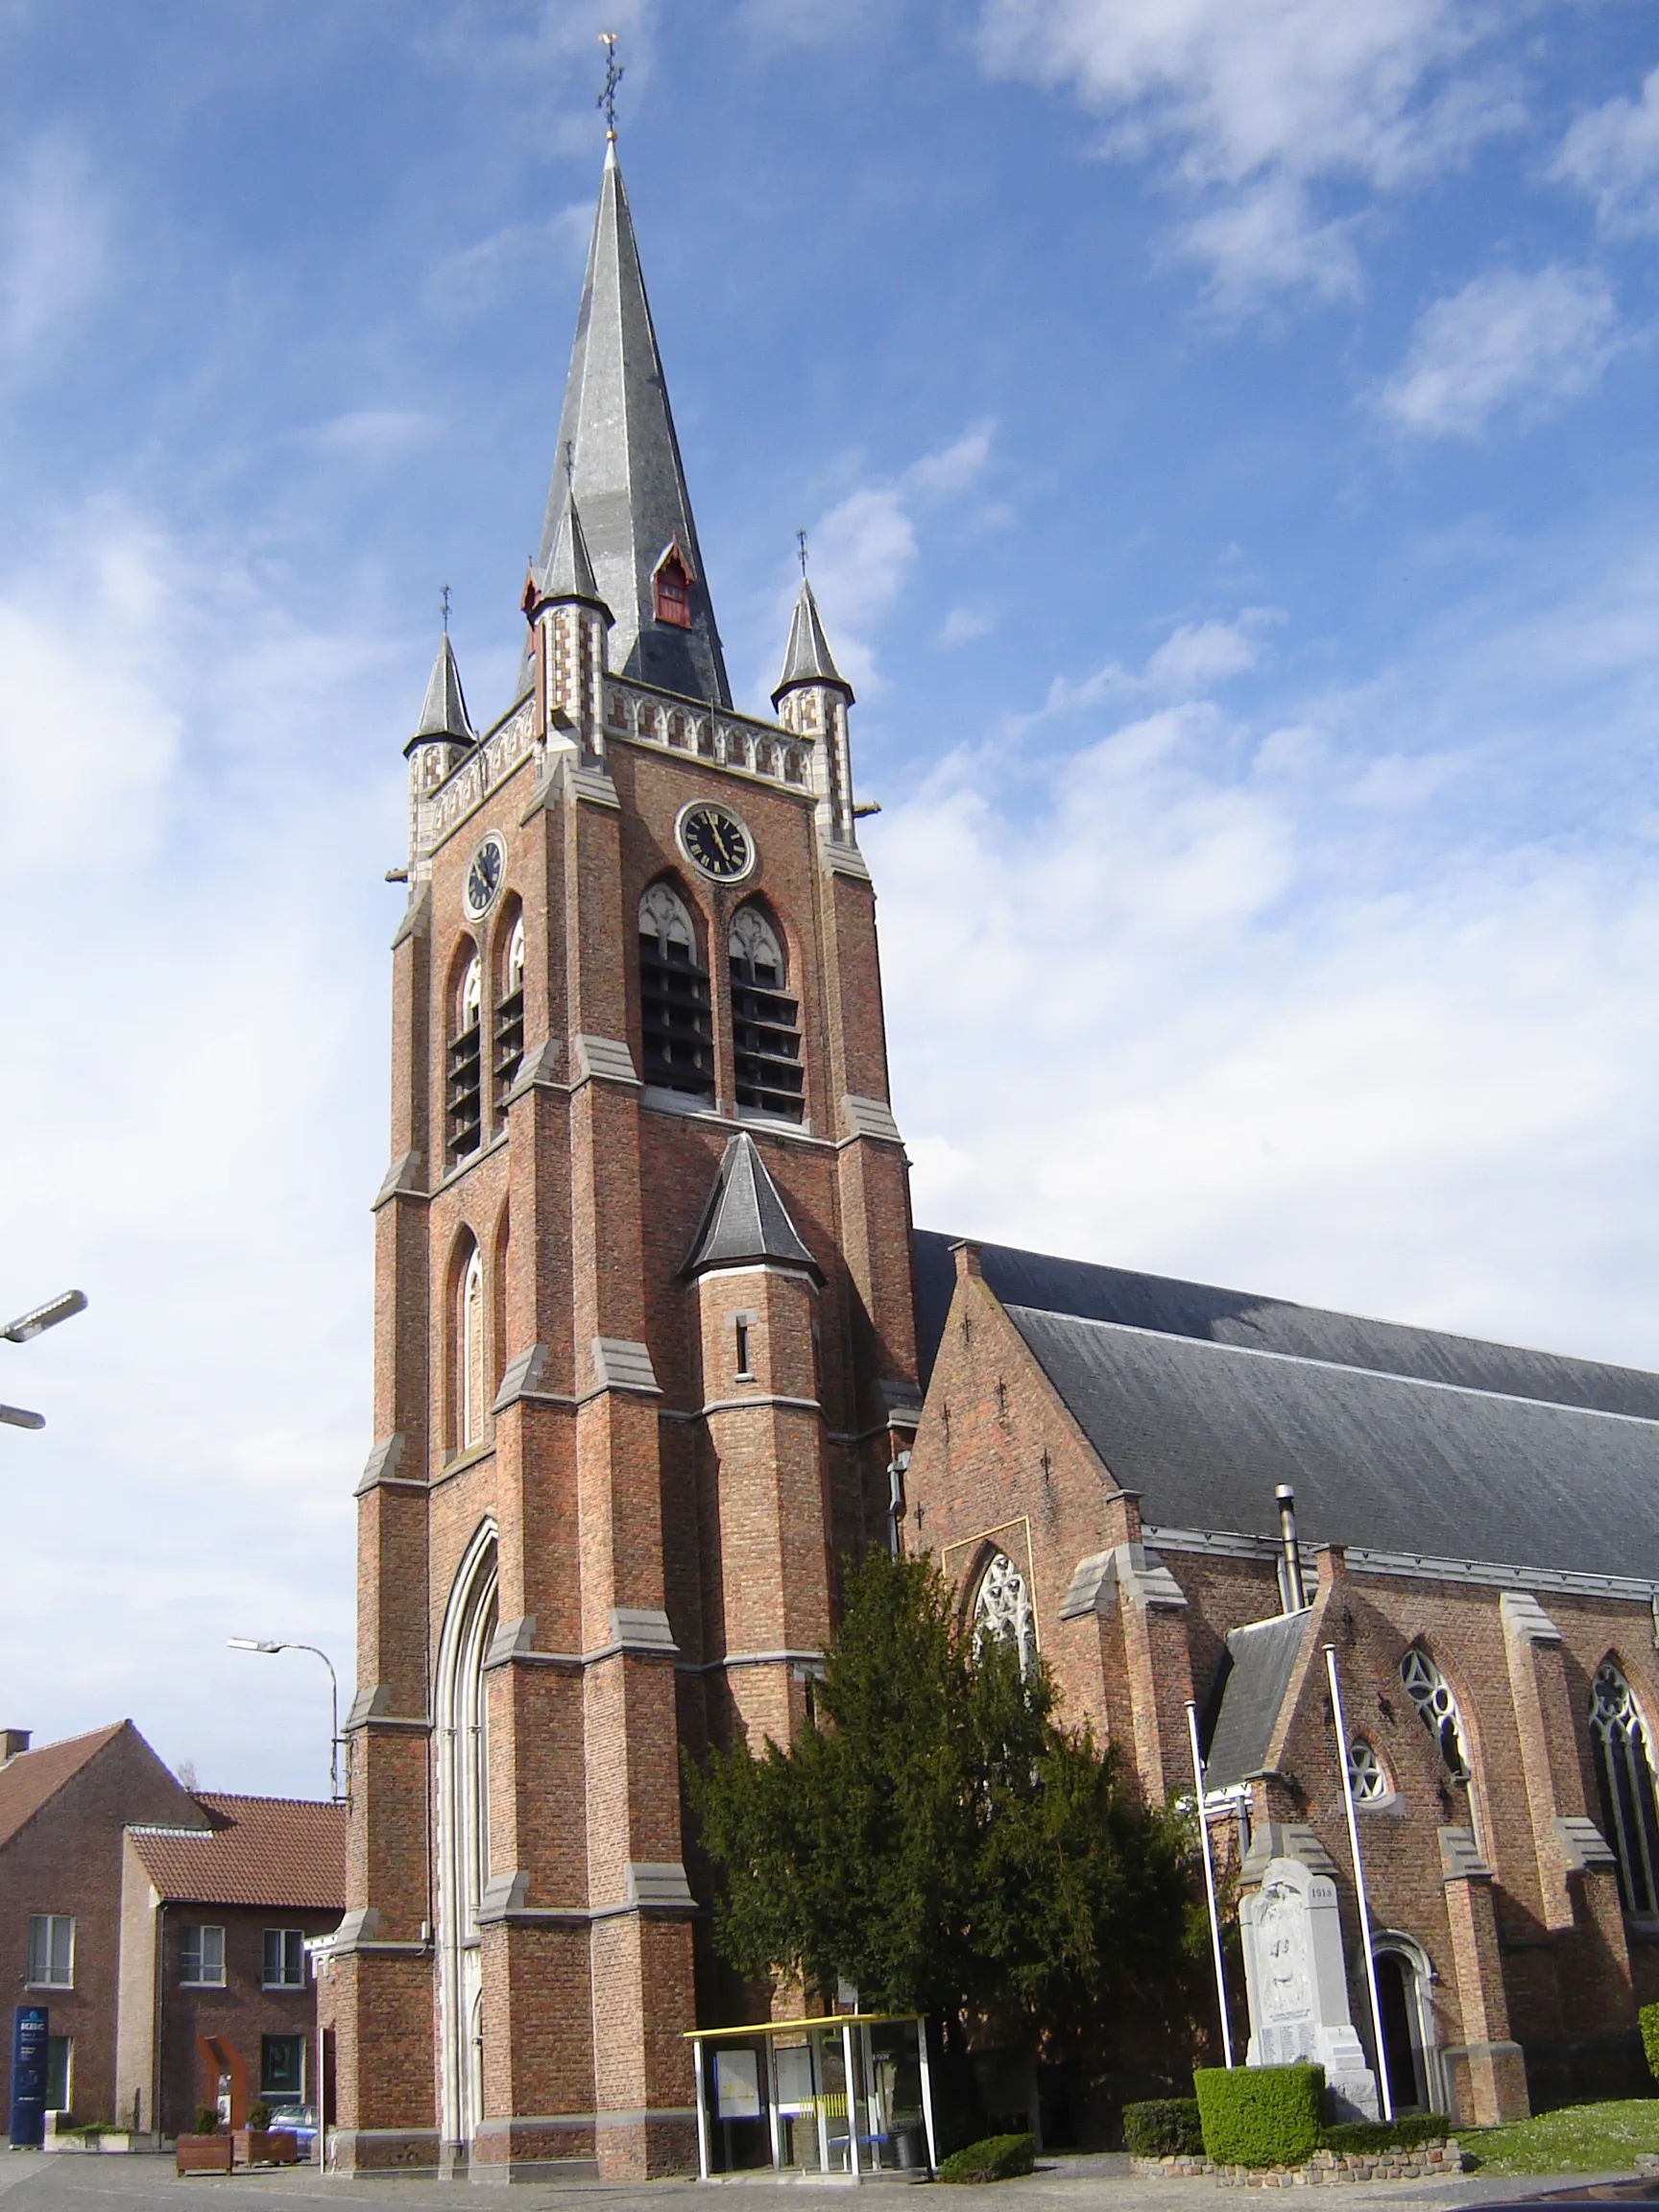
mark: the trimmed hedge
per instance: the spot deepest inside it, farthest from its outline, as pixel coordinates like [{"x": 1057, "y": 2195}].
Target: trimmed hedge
[
  {"x": 1648, "y": 2016},
  {"x": 1401, "y": 2134},
  {"x": 1260, "y": 2115},
  {"x": 1164, "y": 2128},
  {"x": 999, "y": 2158}
]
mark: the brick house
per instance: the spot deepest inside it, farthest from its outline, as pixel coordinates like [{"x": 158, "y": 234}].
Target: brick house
[
  {"x": 1096, "y": 1468},
  {"x": 106, "y": 1862},
  {"x": 651, "y": 1326},
  {"x": 215, "y": 1982}
]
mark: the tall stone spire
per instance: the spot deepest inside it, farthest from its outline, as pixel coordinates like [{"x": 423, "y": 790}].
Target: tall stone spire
[{"x": 616, "y": 440}]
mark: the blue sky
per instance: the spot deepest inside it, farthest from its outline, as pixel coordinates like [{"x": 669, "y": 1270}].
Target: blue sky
[{"x": 1225, "y": 433}]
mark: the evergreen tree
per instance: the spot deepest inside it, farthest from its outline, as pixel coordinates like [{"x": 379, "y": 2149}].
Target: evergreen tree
[{"x": 943, "y": 1841}]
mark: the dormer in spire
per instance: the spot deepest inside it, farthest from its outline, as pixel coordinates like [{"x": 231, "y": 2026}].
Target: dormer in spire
[
  {"x": 745, "y": 1222},
  {"x": 619, "y": 462},
  {"x": 808, "y": 659}
]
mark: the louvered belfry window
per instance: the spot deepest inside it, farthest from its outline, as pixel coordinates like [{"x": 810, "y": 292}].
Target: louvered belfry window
[
  {"x": 765, "y": 1023},
  {"x": 671, "y": 590},
  {"x": 465, "y": 1095},
  {"x": 509, "y": 1050},
  {"x": 676, "y": 1024}
]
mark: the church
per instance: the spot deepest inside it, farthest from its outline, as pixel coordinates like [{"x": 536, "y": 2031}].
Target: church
[{"x": 658, "y": 1349}]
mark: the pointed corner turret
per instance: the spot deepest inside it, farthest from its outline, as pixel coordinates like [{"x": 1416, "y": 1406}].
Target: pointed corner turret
[
  {"x": 567, "y": 572},
  {"x": 618, "y": 457},
  {"x": 746, "y": 1222},
  {"x": 443, "y": 718},
  {"x": 808, "y": 658}
]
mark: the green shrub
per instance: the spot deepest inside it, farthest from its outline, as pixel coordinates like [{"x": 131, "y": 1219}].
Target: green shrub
[
  {"x": 1164, "y": 2128},
  {"x": 259, "y": 2115},
  {"x": 1411, "y": 2128},
  {"x": 207, "y": 2119},
  {"x": 999, "y": 2158},
  {"x": 1649, "y": 2015},
  {"x": 1260, "y": 2115}
]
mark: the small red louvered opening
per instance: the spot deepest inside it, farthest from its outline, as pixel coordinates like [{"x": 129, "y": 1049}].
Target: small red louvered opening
[{"x": 673, "y": 593}]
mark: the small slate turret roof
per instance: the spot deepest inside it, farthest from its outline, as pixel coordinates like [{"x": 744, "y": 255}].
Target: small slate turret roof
[
  {"x": 569, "y": 571},
  {"x": 625, "y": 470},
  {"x": 808, "y": 659},
  {"x": 745, "y": 1220},
  {"x": 1248, "y": 1696},
  {"x": 443, "y": 712}
]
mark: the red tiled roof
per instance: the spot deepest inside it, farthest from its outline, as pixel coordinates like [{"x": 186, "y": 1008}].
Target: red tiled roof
[
  {"x": 286, "y": 1851},
  {"x": 29, "y": 1780}
]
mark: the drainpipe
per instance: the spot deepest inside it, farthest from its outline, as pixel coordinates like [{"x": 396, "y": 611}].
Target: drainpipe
[{"x": 1295, "y": 1590}]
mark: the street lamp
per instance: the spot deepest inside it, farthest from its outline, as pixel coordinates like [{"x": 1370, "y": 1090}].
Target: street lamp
[
  {"x": 29, "y": 1326},
  {"x": 262, "y": 1643}
]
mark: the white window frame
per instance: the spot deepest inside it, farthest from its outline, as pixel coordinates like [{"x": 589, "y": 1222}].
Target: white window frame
[
  {"x": 41, "y": 1970},
  {"x": 290, "y": 1954},
  {"x": 203, "y": 1978}
]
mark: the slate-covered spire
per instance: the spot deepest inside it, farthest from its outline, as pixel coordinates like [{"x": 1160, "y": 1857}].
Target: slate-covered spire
[
  {"x": 745, "y": 1221},
  {"x": 567, "y": 572},
  {"x": 808, "y": 659},
  {"x": 443, "y": 712},
  {"x": 624, "y": 470}
]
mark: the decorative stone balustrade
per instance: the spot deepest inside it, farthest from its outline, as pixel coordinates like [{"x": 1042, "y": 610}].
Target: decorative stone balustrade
[
  {"x": 708, "y": 734},
  {"x": 489, "y": 762}
]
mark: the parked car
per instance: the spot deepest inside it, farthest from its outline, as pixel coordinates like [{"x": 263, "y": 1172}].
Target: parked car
[{"x": 299, "y": 2121}]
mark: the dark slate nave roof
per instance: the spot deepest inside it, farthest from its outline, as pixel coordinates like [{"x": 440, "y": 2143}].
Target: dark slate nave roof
[{"x": 1395, "y": 1439}]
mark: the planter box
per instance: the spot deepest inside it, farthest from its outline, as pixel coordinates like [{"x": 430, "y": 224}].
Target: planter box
[
  {"x": 203, "y": 2153},
  {"x": 265, "y": 2147}
]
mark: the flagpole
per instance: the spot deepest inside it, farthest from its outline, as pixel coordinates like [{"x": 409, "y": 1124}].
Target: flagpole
[
  {"x": 1209, "y": 1877},
  {"x": 1341, "y": 1727}
]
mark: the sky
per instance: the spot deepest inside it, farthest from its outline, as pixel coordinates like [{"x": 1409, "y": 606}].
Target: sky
[{"x": 1225, "y": 434}]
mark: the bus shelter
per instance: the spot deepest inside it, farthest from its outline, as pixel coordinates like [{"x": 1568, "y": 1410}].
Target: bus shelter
[{"x": 847, "y": 2096}]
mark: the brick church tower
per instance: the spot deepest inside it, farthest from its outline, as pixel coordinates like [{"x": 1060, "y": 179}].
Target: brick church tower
[{"x": 645, "y": 1343}]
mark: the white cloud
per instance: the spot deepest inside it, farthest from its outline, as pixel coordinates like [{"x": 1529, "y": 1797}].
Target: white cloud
[
  {"x": 491, "y": 270},
  {"x": 1254, "y": 100},
  {"x": 1282, "y": 1015},
  {"x": 1612, "y": 154},
  {"x": 375, "y": 434},
  {"x": 54, "y": 243},
  {"x": 1507, "y": 340},
  {"x": 1194, "y": 657},
  {"x": 963, "y": 624}
]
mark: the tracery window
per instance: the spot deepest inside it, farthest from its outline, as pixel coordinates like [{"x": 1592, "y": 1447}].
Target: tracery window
[
  {"x": 509, "y": 1050},
  {"x": 1002, "y": 1607},
  {"x": 765, "y": 1021},
  {"x": 676, "y": 1024},
  {"x": 1624, "y": 1773},
  {"x": 465, "y": 1096},
  {"x": 470, "y": 1348},
  {"x": 1436, "y": 1708},
  {"x": 1368, "y": 1776}
]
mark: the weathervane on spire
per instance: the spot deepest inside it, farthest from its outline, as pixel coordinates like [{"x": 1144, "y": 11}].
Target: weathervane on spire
[
  {"x": 801, "y": 551},
  {"x": 613, "y": 75},
  {"x": 445, "y": 609}
]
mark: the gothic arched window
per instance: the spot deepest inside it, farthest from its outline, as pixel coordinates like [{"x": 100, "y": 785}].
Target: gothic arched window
[
  {"x": 509, "y": 1050},
  {"x": 466, "y": 1092},
  {"x": 765, "y": 1023},
  {"x": 1002, "y": 1607},
  {"x": 470, "y": 1394},
  {"x": 675, "y": 1022},
  {"x": 463, "y": 1870},
  {"x": 1436, "y": 1708},
  {"x": 1368, "y": 1776},
  {"x": 1624, "y": 1772}
]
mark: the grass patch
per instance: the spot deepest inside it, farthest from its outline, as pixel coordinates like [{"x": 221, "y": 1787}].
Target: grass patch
[{"x": 1577, "y": 2139}]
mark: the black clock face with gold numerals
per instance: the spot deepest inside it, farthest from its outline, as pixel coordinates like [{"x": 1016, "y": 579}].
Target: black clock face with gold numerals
[
  {"x": 484, "y": 875},
  {"x": 716, "y": 842}
]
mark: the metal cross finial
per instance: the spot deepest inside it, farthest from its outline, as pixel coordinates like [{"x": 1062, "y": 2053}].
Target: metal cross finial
[
  {"x": 571, "y": 463},
  {"x": 613, "y": 75},
  {"x": 801, "y": 545},
  {"x": 445, "y": 609}
]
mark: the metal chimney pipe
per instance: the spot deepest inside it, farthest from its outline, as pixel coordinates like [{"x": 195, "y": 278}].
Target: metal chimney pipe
[{"x": 1295, "y": 1593}]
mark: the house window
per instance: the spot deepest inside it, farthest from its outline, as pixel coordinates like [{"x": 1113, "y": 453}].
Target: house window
[
  {"x": 671, "y": 588},
  {"x": 470, "y": 1347},
  {"x": 50, "y": 1951},
  {"x": 202, "y": 1958},
  {"x": 284, "y": 1959},
  {"x": 675, "y": 1021},
  {"x": 1624, "y": 1773},
  {"x": 765, "y": 1023},
  {"x": 60, "y": 2073},
  {"x": 1368, "y": 1776},
  {"x": 508, "y": 1052},
  {"x": 282, "y": 2059},
  {"x": 465, "y": 1096},
  {"x": 1002, "y": 1607},
  {"x": 1436, "y": 1708}
]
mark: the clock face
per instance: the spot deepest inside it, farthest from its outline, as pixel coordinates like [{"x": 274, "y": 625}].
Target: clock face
[
  {"x": 716, "y": 842},
  {"x": 484, "y": 873}
]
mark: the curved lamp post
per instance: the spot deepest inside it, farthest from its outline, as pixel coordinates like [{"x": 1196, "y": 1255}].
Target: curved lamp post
[
  {"x": 261, "y": 1643},
  {"x": 23, "y": 1331}
]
